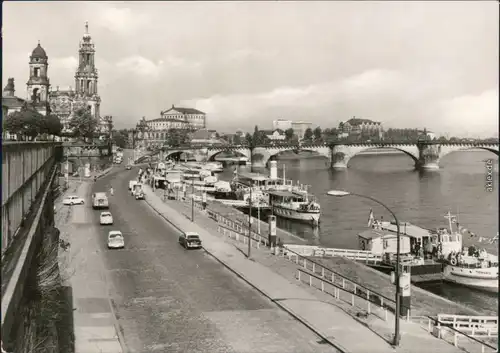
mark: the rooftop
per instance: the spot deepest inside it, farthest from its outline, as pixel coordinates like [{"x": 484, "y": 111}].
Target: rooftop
[
  {"x": 184, "y": 110},
  {"x": 39, "y": 52}
]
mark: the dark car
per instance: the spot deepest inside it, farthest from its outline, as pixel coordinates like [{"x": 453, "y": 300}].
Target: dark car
[{"x": 190, "y": 240}]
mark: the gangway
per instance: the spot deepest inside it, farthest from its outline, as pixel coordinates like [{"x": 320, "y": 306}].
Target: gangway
[
  {"x": 472, "y": 325},
  {"x": 351, "y": 254}
]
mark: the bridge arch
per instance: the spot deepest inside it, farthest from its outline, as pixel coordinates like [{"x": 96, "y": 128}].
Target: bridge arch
[
  {"x": 214, "y": 152},
  {"x": 262, "y": 155},
  {"x": 342, "y": 154},
  {"x": 431, "y": 155}
]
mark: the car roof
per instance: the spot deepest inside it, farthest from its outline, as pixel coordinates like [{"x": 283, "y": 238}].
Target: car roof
[
  {"x": 72, "y": 196},
  {"x": 114, "y": 232},
  {"x": 191, "y": 233},
  {"x": 100, "y": 194},
  {"x": 105, "y": 213}
]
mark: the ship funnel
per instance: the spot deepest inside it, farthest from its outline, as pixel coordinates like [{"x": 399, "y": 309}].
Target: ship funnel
[{"x": 273, "y": 170}]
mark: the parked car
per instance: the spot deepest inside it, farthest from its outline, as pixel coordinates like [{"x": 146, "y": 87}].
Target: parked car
[
  {"x": 73, "y": 200},
  {"x": 128, "y": 167},
  {"x": 115, "y": 240},
  {"x": 190, "y": 240},
  {"x": 106, "y": 218}
]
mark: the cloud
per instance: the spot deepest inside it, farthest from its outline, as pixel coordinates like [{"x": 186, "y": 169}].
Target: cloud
[
  {"x": 69, "y": 63},
  {"x": 138, "y": 65},
  {"x": 475, "y": 115},
  {"x": 366, "y": 85},
  {"x": 121, "y": 20}
]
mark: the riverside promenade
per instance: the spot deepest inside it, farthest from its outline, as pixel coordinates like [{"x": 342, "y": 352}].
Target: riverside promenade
[{"x": 326, "y": 317}]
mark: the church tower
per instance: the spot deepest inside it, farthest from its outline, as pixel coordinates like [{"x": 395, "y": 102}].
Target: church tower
[
  {"x": 38, "y": 83},
  {"x": 86, "y": 76}
]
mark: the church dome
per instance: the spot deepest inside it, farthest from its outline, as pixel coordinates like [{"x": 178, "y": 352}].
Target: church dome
[{"x": 39, "y": 52}]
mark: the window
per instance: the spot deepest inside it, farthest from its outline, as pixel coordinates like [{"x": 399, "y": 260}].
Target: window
[{"x": 37, "y": 72}]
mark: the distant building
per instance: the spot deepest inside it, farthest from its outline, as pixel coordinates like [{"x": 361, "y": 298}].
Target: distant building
[
  {"x": 164, "y": 124},
  {"x": 204, "y": 137},
  {"x": 355, "y": 125},
  {"x": 300, "y": 127},
  {"x": 191, "y": 117},
  {"x": 282, "y": 124},
  {"x": 277, "y": 135},
  {"x": 64, "y": 102},
  {"x": 10, "y": 104}
]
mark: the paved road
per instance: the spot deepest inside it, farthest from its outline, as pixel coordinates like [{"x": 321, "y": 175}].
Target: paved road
[{"x": 168, "y": 299}]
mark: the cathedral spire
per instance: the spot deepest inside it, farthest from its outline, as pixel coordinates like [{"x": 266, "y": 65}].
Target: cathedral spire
[{"x": 86, "y": 27}]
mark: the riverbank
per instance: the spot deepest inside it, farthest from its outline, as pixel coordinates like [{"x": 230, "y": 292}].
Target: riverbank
[{"x": 275, "y": 277}]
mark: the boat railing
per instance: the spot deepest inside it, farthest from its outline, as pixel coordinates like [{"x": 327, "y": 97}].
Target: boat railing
[{"x": 463, "y": 340}]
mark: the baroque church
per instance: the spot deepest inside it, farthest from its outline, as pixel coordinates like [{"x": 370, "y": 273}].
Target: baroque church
[{"x": 85, "y": 95}]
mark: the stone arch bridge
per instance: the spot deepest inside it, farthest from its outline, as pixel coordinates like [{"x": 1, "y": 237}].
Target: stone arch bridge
[{"x": 426, "y": 155}]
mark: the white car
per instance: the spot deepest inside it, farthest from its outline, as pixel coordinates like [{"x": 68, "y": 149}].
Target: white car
[
  {"x": 73, "y": 200},
  {"x": 106, "y": 218},
  {"x": 115, "y": 240}
]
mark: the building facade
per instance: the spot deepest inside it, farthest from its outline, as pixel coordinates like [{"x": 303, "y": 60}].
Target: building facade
[
  {"x": 300, "y": 127},
  {"x": 190, "y": 117},
  {"x": 65, "y": 102},
  {"x": 38, "y": 84},
  {"x": 356, "y": 125},
  {"x": 282, "y": 124},
  {"x": 164, "y": 124}
]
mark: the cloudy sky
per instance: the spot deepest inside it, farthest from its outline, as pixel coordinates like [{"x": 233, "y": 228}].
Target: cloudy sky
[{"x": 407, "y": 64}]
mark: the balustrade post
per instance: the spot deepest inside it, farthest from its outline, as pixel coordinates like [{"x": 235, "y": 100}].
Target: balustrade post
[
  {"x": 298, "y": 279},
  {"x": 333, "y": 277},
  {"x": 323, "y": 272},
  {"x": 352, "y": 299},
  {"x": 314, "y": 267},
  {"x": 343, "y": 283},
  {"x": 305, "y": 264},
  {"x": 322, "y": 286},
  {"x": 310, "y": 281},
  {"x": 455, "y": 339}
]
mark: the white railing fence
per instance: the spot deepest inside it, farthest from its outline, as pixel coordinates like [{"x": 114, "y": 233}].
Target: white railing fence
[{"x": 454, "y": 336}]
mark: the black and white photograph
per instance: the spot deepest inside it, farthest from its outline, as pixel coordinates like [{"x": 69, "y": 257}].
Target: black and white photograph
[{"x": 250, "y": 176}]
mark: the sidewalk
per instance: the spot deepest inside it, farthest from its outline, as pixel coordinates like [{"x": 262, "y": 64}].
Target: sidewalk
[
  {"x": 329, "y": 321},
  {"x": 82, "y": 268}
]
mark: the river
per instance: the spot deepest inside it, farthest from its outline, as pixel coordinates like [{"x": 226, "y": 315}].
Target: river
[{"x": 421, "y": 198}]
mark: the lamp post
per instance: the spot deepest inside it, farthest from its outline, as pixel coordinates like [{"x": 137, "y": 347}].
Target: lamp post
[
  {"x": 250, "y": 224},
  {"x": 192, "y": 200},
  {"x": 339, "y": 193}
]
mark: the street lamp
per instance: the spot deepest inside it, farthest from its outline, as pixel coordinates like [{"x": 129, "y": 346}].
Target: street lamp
[
  {"x": 250, "y": 223},
  {"x": 340, "y": 193}
]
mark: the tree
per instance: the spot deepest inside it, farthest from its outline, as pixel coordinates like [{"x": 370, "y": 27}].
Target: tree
[
  {"x": 26, "y": 122},
  {"x": 289, "y": 134},
  {"x": 318, "y": 134},
  {"x": 83, "y": 124},
  {"x": 308, "y": 135},
  {"x": 177, "y": 137},
  {"x": 237, "y": 139},
  {"x": 120, "y": 138},
  {"x": 53, "y": 125},
  {"x": 249, "y": 140}
]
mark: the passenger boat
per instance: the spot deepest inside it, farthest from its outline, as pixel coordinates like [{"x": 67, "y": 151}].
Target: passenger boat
[
  {"x": 420, "y": 247},
  {"x": 295, "y": 205},
  {"x": 470, "y": 267},
  {"x": 286, "y": 199}
]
